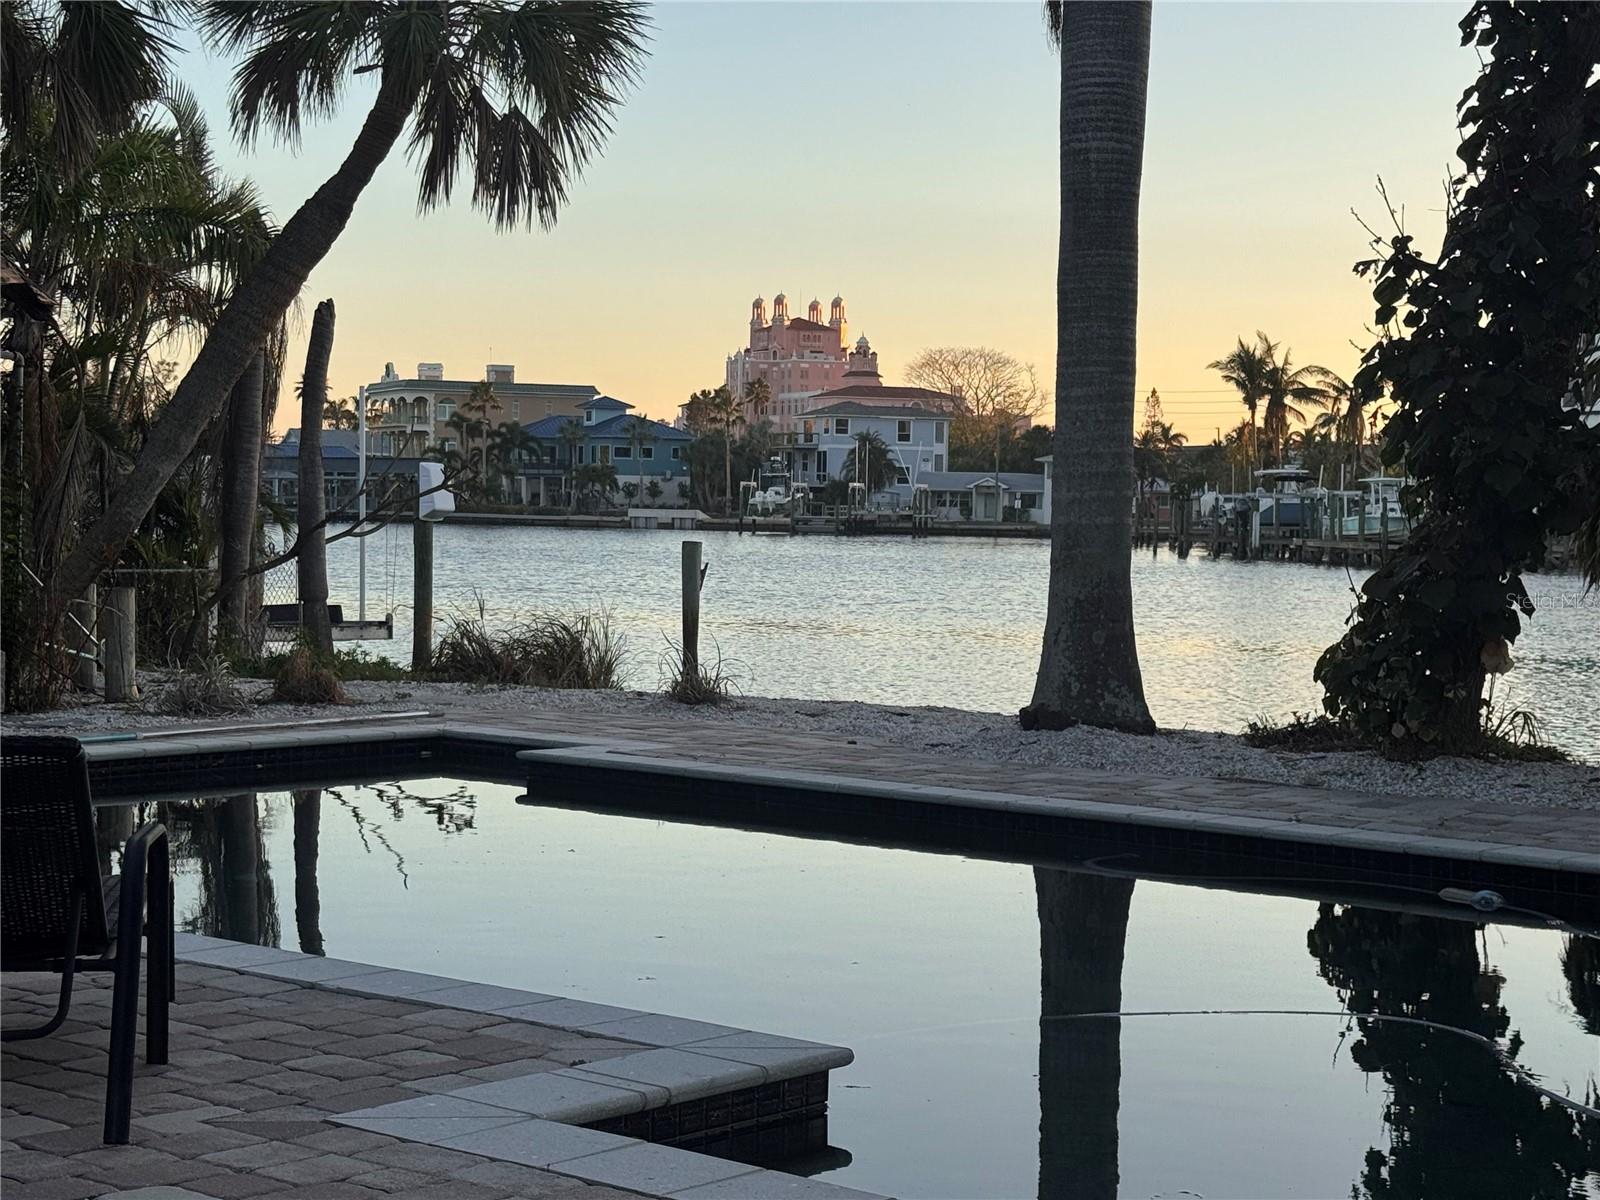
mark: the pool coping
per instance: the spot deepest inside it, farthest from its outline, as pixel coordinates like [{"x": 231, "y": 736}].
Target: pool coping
[
  {"x": 537, "y": 1119},
  {"x": 641, "y": 755}
]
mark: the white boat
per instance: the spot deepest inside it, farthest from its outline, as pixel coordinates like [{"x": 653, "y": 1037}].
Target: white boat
[
  {"x": 775, "y": 492},
  {"x": 1380, "y": 512}
]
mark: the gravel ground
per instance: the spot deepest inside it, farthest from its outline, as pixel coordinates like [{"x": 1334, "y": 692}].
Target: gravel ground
[{"x": 945, "y": 731}]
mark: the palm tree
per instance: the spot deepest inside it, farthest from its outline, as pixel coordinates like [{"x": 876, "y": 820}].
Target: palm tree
[
  {"x": 145, "y": 242},
  {"x": 1246, "y": 368},
  {"x": 1285, "y": 388},
  {"x": 480, "y": 402},
  {"x": 311, "y": 563},
  {"x": 571, "y": 436},
  {"x": 1089, "y": 665},
  {"x": 641, "y": 433},
  {"x": 523, "y": 93},
  {"x": 241, "y": 493},
  {"x": 340, "y": 413},
  {"x": 757, "y": 400},
  {"x": 79, "y": 71},
  {"x": 1345, "y": 414},
  {"x": 724, "y": 412},
  {"x": 509, "y": 446},
  {"x": 871, "y": 463},
  {"x": 1154, "y": 451}
]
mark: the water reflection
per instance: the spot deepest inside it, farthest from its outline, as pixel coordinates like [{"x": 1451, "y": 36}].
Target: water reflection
[
  {"x": 222, "y": 839},
  {"x": 1460, "y": 1124},
  {"x": 307, "y": 898},
  {"x": 1083, "y": 933}
]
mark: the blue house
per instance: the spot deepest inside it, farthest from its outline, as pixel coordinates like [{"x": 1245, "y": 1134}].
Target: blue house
[{"x": 642, "y": 451}]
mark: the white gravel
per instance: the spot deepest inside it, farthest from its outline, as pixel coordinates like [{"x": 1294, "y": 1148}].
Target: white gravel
[{"x": 945, "y": 732}]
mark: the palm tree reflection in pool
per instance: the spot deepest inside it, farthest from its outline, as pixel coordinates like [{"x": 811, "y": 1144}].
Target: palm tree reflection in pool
[{"x": 1083, "y": 930}]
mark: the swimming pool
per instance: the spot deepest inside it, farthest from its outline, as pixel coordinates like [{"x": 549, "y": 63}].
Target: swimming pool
[{"x": 955, "y": 980}]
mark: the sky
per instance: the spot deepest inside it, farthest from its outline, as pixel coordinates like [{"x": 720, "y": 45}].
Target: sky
[{"x": 903, "y": 155}]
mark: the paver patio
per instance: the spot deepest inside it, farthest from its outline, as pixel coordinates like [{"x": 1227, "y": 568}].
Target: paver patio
[{"x": 258, "y": 1066}]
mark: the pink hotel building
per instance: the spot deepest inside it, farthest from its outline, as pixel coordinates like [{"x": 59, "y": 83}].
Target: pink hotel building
[{"x": 801, "y": 358}]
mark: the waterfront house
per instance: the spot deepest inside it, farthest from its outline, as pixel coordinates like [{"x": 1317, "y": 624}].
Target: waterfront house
[
  {"x": 280, "y": 467},
  {"x": 604, "y": 432},
  {"x": 917, "y": 439},
  {"x": 411, "y": 415},
  {"x": 986, "y": 496}
]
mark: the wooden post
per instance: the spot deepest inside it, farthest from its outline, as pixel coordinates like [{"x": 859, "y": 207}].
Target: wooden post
[
  {"x": 421, "y": 595},
  {"x": 691, "y": 609},
  {"x": 120, "y": 623},
  {"x": 83, "y": 638}
]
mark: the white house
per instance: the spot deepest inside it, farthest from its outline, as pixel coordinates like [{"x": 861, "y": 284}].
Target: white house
[{"x": 917, "y": 440}]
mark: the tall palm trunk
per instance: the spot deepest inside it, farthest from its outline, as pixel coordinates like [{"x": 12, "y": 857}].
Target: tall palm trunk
[
  {"x": 1089, "y": 667},
  {"x": 312, "y": 557},
  {"x": 727, "y": 467},
  {"x": 1083, "y": 930},
  {"x": 241, "y": 493},
  {"x": 255, "y": 307}
]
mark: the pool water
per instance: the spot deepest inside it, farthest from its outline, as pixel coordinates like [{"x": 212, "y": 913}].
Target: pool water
[{"x": 954, "y": 979}]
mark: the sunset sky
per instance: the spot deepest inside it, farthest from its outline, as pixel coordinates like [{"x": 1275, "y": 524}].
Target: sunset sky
[{"x": 904, "y": 155}]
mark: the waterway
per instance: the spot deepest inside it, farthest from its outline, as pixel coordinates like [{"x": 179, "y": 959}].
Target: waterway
[{"x": 953, "y": 622}]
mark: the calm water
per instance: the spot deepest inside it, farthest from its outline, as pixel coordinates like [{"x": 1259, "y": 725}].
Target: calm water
[
  {"x": 955, "y": 621},
  {"x": 929, "y": 966}
]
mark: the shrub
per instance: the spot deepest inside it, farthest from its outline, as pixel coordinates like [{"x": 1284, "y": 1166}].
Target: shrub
[
  {"x": 346, "y": 664},
  {"x": 551, "y": 651},
  {"x": 710, "y": 683},
  {"x": 206, "y": 689},
  {"x": 306, "y": 678}
]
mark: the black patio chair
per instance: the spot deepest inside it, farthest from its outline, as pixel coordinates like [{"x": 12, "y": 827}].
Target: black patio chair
[{"x": 58, "y": 914}]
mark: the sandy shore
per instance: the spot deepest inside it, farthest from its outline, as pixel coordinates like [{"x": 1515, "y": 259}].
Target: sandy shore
[{"x": 945, "y": 732}]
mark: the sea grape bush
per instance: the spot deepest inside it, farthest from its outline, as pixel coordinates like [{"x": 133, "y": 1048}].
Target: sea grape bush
[{"x": 1481, "y": 352}]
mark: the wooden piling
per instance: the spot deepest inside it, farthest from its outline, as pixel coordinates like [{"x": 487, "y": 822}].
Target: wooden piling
[
  {"x": 421, "y": 596},
  {"x": 691, "y": 609},
  {"x": 119, "y": 623}
]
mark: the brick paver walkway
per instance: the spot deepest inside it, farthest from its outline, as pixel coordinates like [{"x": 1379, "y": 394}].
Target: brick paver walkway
[{"x": 241, "y": 1110}]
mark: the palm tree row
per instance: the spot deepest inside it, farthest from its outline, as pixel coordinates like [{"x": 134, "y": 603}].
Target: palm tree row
[{"x": 1279, "y": 393}]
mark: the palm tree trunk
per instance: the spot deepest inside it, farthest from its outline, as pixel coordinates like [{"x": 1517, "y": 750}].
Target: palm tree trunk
[
  {"x": 256, "y": 306},
  {"x": 1083, "y": 932},
  {"x": 312, "y": 558},
  {"x": 727, "y": 468},
  {"x": 241, "y": 492},
  {"x": 1089, "y": 666}
]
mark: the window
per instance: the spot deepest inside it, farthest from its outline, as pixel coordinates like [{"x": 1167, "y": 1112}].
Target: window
[
  {"x": 841, "y": 425},
  {"x": 624, "y": 452},
  {"x": 822, "y": 464},
  {"x": 647, "y": 451},
  {"x": 938, "y": 432},
  {"x": 448, "y": 445},
  {"x": 549, "y": 454},
  {"x": 902, "y": 431},
  {"x": 605, "y": 453},
  {"x": 901, "y": 474},
  {"x": 444, "y": 409},
  {"x": 938, "y": 462},
  {"x": 677, "y": 452}
]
